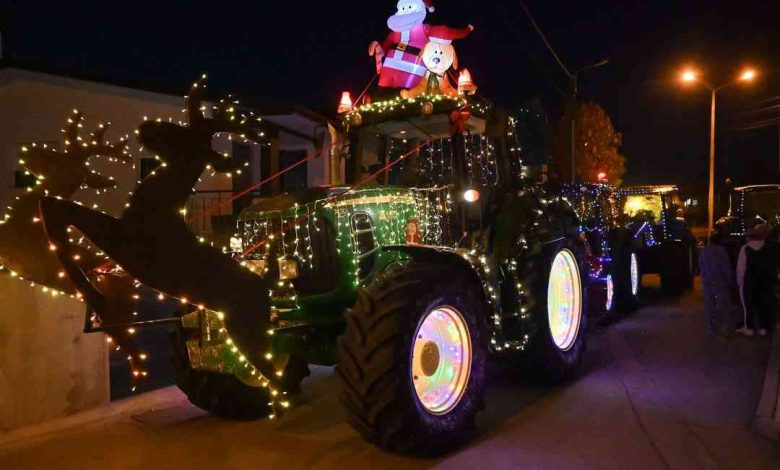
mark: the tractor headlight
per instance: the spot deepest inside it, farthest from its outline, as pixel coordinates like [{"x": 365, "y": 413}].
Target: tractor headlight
[
  {"x": 258, "y": 267},
  {"x": 288, "y": 268}
]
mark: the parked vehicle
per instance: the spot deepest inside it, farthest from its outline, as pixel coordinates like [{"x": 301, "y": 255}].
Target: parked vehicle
[
  {"x": 744, "y": 208},
  {"x": 667, "y": 246},
  {"x": 613, "y": 257}
]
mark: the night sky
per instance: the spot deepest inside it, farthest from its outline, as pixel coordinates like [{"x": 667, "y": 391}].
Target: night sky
[{"x": 308, "y": 52}]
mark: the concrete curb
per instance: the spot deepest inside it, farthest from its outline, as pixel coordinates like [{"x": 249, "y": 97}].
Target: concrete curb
[
  {"x": 158, "y": 399},
  {"x": 767, "y": 419}
]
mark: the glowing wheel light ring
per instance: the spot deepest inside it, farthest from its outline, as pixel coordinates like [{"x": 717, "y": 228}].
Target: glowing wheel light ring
[
  {"x": 441, "y": 360},
  {"x": 635, "y": 276},
  {"x": 610, "y": 293},
  {"x": 564, "y": 300}
]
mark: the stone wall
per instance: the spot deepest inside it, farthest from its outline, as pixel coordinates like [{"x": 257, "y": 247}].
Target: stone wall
[{"x": 48, "y": 367}]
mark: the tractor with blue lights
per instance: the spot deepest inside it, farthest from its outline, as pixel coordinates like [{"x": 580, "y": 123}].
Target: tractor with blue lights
[
  {"x": 613, "y": 252},
  {"x": 667, "y": 245}
]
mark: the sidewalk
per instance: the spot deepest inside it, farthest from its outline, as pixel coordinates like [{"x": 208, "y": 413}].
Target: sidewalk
[{"x": 767, "y": 420}]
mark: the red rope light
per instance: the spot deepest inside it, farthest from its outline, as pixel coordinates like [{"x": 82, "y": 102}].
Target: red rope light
[{"x": 351, "y": 190}]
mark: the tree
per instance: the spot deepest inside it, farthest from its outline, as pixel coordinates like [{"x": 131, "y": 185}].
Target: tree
[{"x": 598, "y": 145}]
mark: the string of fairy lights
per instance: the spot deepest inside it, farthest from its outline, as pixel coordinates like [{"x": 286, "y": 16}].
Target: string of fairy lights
[{"x": 390, "y": 212}]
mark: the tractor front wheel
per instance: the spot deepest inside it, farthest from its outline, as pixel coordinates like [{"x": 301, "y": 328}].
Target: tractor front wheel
[{"x": 413, "y": 359}]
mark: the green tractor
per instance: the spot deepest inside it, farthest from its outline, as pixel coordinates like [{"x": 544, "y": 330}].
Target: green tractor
[
  {"x": 450, "y": 258},
  {"x": 507, "y": 284}
]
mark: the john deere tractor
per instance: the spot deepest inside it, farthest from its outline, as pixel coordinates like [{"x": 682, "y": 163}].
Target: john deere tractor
[{"x": 507, "y": 282}]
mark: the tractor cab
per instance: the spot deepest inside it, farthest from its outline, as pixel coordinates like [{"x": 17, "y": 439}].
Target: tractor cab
[
  {"x": 666, "y": 245},
  {"x": 747, "y": 207}
]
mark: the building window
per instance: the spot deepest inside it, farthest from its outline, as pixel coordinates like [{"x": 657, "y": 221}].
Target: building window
[
  {"x": 148, "y": 165},
  {"x": 23, "y": 179}
]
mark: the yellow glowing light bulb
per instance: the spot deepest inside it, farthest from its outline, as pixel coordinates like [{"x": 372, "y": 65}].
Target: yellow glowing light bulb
[{"x": 748, "y": 75}]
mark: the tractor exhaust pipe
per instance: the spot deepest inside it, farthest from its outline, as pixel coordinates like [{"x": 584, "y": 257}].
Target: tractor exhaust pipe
[{"x": 334, "y": 162}]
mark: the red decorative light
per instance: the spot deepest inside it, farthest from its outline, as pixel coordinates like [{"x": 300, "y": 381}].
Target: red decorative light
[
  {"x": 345, "y": 105},
  {"x": 466, "y": 85}
]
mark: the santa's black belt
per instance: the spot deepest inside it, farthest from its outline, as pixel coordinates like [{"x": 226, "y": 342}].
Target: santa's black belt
[{"x": 407, "y": 48}]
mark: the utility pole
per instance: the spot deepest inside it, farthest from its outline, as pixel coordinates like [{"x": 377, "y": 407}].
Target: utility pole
[
  {"x": 574, "y": 77},
  {"x": 711, "y": 200}
]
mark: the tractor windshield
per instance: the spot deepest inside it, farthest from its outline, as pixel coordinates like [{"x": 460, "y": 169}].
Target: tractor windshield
[
  {"x": 644, "y": 207},
  {"x": 762, "y": 204}
]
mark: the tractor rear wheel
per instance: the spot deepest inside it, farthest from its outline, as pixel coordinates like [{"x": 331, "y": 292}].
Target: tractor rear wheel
[
  {"x": 413, "y": 359},
  {"x": 627, "y": 277},
  {"x": 677, "y": 268},
  {"x": 225, "y": 395},
  {"x": 555, "y": 293}
]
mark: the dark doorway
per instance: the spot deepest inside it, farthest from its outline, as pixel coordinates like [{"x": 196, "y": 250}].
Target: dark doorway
[{"x": 297, "y": 178}]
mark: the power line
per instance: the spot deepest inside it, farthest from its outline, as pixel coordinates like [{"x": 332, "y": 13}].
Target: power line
[{"x": 544, "y": 38}]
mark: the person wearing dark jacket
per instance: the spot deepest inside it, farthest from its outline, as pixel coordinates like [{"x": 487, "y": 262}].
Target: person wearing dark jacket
[
  {"x": 718, "y": 284},
  {"x": 756, "y": 276}
]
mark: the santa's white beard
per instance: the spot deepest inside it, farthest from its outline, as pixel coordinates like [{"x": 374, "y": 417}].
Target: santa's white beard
[{"x": 399, "y": 23}]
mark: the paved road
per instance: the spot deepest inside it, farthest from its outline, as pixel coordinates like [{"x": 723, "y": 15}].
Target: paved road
[{"x": 655, "y": 393}]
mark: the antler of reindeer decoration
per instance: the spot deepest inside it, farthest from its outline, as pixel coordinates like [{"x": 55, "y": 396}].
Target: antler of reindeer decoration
[
  {"x": 152, "y": 242},
  {"x": 24, "y": 247}
]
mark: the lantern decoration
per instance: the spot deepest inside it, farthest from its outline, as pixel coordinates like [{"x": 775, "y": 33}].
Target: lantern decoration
[
  {"x": 345, "y": 105},
  {"x": 602, "y": 177},
  {"x": 466, "y": 85}
]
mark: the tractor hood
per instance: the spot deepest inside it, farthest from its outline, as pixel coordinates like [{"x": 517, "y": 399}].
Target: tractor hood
[{"x": 286, "y": 201}]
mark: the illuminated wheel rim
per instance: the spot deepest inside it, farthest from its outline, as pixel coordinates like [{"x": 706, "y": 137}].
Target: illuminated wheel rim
[
  {"x": 564, "y": 302},
  {"x": 441, "y": 360},
  {"x": 634, "y": 274},
  {"x": 610, "y": 293}
]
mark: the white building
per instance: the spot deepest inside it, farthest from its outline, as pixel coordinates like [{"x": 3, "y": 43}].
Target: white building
[{"x": 35, "y": 103}]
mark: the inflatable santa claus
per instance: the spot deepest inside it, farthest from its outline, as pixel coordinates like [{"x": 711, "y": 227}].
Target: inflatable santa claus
[{"x": 398, "y": 58}]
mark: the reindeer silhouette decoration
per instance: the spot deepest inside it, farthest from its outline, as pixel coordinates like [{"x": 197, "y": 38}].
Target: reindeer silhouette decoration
[
  {"x": 151, "y": 240},
  {"x": 24, "y": 247}
]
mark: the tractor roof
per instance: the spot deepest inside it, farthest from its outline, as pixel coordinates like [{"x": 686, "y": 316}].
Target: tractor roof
[
  {"x": 757, "y": 187},
  {"x": 651, "y": 189}
]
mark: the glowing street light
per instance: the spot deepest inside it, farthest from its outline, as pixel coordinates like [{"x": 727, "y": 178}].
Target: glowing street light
[
  {"x": 748, "y": 75},
  {"x": 688, "y": 77}
]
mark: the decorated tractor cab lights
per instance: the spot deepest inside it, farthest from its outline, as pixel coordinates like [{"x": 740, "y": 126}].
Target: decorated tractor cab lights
[
  {"x": 505, "y": 277},
  {"x": 745, "y": 207},
  {"x": 655, "y": 216},
  {"x": 613, "y": 257}
]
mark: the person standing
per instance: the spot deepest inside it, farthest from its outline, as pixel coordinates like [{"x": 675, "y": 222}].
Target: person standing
[
  {"x": 718, "y": 283},
  {"x": 756, "y": 276}
]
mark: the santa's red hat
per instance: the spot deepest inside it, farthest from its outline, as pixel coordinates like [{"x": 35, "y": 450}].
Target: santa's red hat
[
  {"x": 429, "y": 5},
  {"x": 445, "y": 34}
]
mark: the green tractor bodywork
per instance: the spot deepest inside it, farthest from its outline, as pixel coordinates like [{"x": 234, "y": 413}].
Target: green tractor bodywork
[{"x": 318, "y": 247}]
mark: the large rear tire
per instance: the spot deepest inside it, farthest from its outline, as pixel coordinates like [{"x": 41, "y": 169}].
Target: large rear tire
[
  {"x": 560, "y": 341},
  {"x": 627, "y": 275},
  {"x": 677, "y": 268},
  {"x": 225, "y": 395},
  {"x": 413, "y": 359}
]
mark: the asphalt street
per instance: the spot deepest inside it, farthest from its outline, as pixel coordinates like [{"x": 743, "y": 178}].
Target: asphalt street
[{"x": 654, "y": 393}]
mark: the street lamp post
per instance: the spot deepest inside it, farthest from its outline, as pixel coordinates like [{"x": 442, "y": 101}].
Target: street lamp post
[
  {"x": 690, "y": 76},
  {"x": 575, "y": 90}
]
